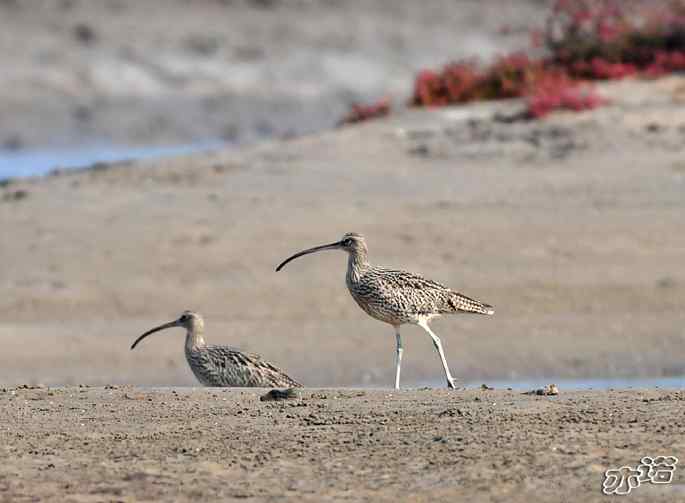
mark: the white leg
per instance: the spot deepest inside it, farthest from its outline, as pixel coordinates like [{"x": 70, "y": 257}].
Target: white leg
[
  {"x": 436, "y": 342},
  {"x": 398, "y": 357}
]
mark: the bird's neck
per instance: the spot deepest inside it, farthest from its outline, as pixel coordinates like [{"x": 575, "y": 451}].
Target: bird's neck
[
  {"x": 195, "y": 339},
  {"x": 356, "y": 264}
]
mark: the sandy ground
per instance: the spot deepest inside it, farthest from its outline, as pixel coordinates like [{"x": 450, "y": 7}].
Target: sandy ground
[
  {"x": 571, "y": 227},
  {"x": 173, "y": 71},
  {"x": 132, "y": 444}
]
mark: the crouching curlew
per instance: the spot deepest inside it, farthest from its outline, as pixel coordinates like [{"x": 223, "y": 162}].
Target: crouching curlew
[{"x": 222, "y": 365}]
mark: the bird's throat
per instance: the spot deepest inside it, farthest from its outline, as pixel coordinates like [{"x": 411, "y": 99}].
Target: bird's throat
[
  {"x": 194, "y": 340},
  {"x": 356, "y": 264}
]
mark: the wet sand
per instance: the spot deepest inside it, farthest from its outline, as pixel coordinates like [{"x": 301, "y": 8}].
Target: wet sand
[
  {"x": 571, "y": 227},
  {"x": 136, "y": 444}
]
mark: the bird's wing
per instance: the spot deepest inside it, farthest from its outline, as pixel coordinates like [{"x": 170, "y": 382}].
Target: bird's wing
[
  {"x": 403, "y": 279},
  {"x": 251, "y": 363},
  {"x": 416, "y": 294},
  {"x": 403, "y": 291}
]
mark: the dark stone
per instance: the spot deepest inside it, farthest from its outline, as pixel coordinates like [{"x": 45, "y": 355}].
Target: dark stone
[{"x": 280, "y": 394}]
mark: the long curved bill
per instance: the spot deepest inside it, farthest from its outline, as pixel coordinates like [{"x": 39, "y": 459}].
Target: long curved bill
[
  {"x": 332, "y": 246},
  {"x": 171, "y": 324}
]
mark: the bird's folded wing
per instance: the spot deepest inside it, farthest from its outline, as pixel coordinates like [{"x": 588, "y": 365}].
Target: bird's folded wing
[
  {"x": 235, "y": 357},
  {"x": 406, "y": 292}
]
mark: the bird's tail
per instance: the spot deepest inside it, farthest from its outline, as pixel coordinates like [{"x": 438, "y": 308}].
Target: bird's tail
[{"x": 462, "y": 303}]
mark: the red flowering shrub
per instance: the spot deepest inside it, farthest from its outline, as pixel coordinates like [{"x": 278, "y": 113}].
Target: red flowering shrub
[
  {"x": 508, "y": 77},
  {"x": 585, "y": 40},
  {"x": 554, "y": 94},
  {"x": 360, "y": 112},
  {"x": 608, "y": 39}
]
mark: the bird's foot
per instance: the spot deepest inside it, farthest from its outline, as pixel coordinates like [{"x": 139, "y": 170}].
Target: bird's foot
[{"x": 454, "y": 384}]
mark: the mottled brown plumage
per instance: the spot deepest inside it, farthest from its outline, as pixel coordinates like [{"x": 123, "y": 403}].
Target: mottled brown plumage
[
  {"x": 222, "y": 365},
  {"x": 398, "y": 297}
]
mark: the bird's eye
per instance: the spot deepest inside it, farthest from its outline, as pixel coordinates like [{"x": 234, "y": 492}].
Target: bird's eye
[
  {"x": 184, "y": 317},
  {"x": 347, "y": 242}
]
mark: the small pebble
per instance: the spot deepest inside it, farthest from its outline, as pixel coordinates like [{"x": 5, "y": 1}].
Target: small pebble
[{"x": 280, "y": 394}]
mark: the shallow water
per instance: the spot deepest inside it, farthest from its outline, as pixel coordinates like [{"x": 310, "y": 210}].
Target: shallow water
[
  {"x": 22, "y": 163},
  {"x": 566, "y": 384}
]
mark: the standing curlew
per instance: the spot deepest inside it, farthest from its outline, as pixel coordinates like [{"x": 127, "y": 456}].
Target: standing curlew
[
  {"x": 222, "y": 365},
  {"x": 397, "y": 297}
]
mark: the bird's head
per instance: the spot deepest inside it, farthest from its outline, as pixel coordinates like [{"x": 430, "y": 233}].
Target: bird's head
[
  {"x": 351, "y": 242},
  {"x": 189, "y": 320}
]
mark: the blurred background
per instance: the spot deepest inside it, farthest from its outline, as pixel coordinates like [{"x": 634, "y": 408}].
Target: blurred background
[
  {"x": 91, "y": 80},
  {"x": 527, "y": 153}
]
